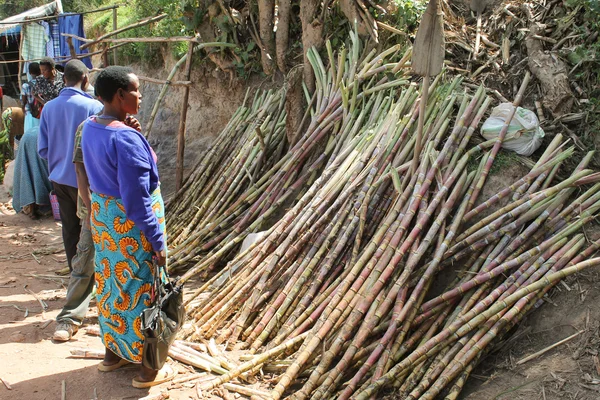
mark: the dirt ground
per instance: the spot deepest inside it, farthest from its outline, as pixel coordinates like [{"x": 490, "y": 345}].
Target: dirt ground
[
  {"x": 30, "y": 363},
  {"x": 569, "y": 371},
  {"x": 35, "y": 368}
]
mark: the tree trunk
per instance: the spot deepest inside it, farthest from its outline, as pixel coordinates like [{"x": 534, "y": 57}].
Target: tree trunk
[
  {"x": 294, "y": 104},
  {"x": 350, "y": 10},
  {"x": 282, "y": 33},
  {"x": 551, "y": 72},
  {"x": 266, "y": 11},
  {"x": 312, "y": 35}
]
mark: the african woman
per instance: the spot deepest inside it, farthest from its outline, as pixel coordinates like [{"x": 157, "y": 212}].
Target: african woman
[{"x": 127, "y": 221}]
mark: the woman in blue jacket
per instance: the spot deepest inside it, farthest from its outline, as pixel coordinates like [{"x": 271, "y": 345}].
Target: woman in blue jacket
[{"x": 127, "y": 221}]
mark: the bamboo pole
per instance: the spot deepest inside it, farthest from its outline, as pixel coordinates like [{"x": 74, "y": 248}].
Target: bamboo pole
[
  {"x": 546, "y": 349},
  {"x": 66, "y": 58},
  {"x": 140, "y": 39},
  {"x": 427, "y": 60},
  {"x": 259, "y": 359},
  {"x": 351, "y": 262},
  {"x": 114, "y": 18},
  {"x": 182, "y": 121}
]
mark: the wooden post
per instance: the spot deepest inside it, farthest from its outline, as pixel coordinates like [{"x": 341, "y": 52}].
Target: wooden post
[
  {"x": 104, "y": 56},
  {"x": 114, "y": 11},
  {"x": 20, "y": 56},
  {"x": 182, "y": 120},
  {"x": 71, "y": 48}
]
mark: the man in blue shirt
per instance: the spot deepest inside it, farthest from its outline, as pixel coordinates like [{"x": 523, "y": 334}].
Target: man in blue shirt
[{"x": 58, "y": 123}]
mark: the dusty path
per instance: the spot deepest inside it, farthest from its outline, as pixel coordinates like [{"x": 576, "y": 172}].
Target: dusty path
[{"x": 30, "y": 363}]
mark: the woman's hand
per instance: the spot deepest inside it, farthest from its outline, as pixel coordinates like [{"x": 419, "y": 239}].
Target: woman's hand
[
  {"x": 133, "y": 122},
  {"x": 161, "y": 257}
]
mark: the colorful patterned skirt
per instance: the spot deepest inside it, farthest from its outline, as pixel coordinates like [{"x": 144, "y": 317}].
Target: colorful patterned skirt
[{"x": 124, "y": 274}]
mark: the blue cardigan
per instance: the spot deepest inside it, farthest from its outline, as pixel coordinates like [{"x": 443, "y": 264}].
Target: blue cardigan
[
  {"x": 58, "y": 124},
  {"x": 119, "y": 163}
]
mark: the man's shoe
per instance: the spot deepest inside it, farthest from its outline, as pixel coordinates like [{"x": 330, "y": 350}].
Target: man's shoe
[{"x": 64, "y": 331}]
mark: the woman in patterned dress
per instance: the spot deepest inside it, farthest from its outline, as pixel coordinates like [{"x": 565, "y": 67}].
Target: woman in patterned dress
[
  {"x": 127, "y": 222},
  {"x": 48, "y": 85}
]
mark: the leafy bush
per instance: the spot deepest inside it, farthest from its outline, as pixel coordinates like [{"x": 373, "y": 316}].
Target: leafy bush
[{"x": 407, "y": 13}]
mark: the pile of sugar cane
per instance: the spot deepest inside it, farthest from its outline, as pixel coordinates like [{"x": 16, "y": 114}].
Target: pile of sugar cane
[
  {"x": 200, "y": 213},
  {"x": 332, "y": 300},
  {"x": 248, "y": 178}
]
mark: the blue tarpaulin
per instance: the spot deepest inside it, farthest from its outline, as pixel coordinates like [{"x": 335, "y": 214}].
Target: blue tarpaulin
[
  {"x": 72, "y": 24},
  {"x": 11, "y": 31}
]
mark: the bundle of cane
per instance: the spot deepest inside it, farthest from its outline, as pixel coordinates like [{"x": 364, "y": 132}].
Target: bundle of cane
[
  {"x": 352, "y": 92},
  {"x": 352, "y": 262}
]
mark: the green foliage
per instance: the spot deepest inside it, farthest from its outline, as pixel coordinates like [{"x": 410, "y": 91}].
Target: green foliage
[
  {"x": 150, "y": 53},
  {"x": 407, "y": 13},
  {"x": 172, "y": 25},
  {"x": 233, "y": 26},
  {"x": 247, "y": 60},
  {"x": 8, "y": 8},
  {"x": 593, "y": 7},
  {"x": 403, "y": 15}
]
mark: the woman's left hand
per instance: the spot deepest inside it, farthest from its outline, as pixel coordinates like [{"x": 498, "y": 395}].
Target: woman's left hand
[{"x": 161, "y": 257}]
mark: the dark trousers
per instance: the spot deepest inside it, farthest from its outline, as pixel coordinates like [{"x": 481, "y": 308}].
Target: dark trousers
[{"x": 71, "y": 228}]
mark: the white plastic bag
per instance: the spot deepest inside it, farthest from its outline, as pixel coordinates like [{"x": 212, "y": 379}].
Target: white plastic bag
[
  {"x": 248, "y": 241},
  {"x": 524, "y": 135},
  {"x": 251, "y": 239}
]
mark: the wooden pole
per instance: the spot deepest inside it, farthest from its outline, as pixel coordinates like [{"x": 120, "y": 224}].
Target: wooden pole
[
  {"x": 104, "y": 56},
  {"x": 478, "y": 6},
  {"x": 163, "y": 82},
  {"x": 65, "y": 58},
  {"x": 422, "y": 110},
  {"x": 71, "y": 48},
  {"x": 20, "y": 55},
  {"x": 153, "y": 80},
  {"x": 139, "y": 39},
  {"x": 114, "y": 12},
  {"x": 125, "y": 28},
  {"x": 182, "y": 121}
]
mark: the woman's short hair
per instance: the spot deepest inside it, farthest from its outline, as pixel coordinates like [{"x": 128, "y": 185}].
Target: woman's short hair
[
  {"x": 110, "y": 80},
  {"x": 48, "y": 61}
]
